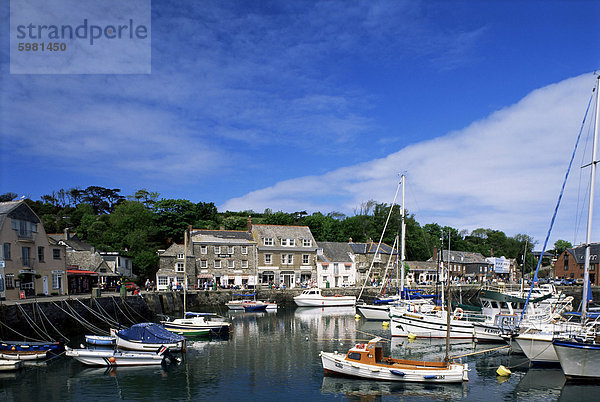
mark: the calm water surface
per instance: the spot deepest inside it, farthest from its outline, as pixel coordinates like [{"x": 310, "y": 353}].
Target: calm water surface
[{"x": 275, "y": 357}]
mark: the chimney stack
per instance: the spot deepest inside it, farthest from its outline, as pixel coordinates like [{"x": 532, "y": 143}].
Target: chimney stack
[{"x": 249, "y": 224}]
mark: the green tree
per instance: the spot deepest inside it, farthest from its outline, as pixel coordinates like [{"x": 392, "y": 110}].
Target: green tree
[{"x": 560, "y": 246}]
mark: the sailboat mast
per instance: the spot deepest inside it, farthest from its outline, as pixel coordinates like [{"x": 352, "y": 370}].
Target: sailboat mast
[
  {"x": 588, "y": 235},
  {"x": 402, "y": 242},
  {"x": 185, "y": 280}
]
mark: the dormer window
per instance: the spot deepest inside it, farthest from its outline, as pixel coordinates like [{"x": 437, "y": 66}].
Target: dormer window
[
  {"x": 306, "y": 242},
  {"x": 180, "y": 256},
  {"x": 268, "y": 241}
]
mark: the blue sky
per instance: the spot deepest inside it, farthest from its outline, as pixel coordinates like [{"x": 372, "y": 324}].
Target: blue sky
[{"x": 319, "y": 105}]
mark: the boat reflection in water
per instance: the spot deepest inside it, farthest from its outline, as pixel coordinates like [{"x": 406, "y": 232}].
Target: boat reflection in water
[
  {"x": 544, "y": 381},
  {"x": 328, "y": 322},
  {"x": 357, "y": 388}
]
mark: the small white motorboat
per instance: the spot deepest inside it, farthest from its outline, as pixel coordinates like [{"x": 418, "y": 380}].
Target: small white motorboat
[
  {"x": 96, "y": 357},
  {"x": 199, "y": 322},
  {"x": 367, "y": 361},
  {"x": 10, "y": 365},
  {"x": 314, "y": 298},
  {"x": 24, "y": 355}
]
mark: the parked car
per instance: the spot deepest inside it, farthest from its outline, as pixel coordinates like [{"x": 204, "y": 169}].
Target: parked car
[
  {"x": 579, "y": 281},
  {"x": 131, "y": 286}
]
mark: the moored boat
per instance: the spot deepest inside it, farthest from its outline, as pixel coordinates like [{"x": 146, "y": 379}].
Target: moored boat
[
  {"x": 199, "y": 323},
  {"x": 52, "y": 347},
  {"x": 95, "y": 357},
  {"x": 367, "y": 361},
  {"x": 24, "y": 355},
  {"x": 98, "y": 340},
  {"x": 314, "y": 298},
  {"x": 147, "y": 336},
  {"x": 10, "y": 365}
]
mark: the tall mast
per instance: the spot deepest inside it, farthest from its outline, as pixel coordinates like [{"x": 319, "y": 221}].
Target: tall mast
[
  {"x": 588, "y": 235},
  {"x": 185, "y": 280},
  {"x": 403, "y": 241}
]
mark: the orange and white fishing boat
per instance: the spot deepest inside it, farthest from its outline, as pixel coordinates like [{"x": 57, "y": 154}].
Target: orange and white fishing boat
[{"x": 367, "y": 361}]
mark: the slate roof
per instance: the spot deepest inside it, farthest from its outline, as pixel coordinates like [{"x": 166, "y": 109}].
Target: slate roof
[
  {"x": 287, "y": 232},
  {"x": 369, "y": 248},
  {"x": 334, "y": 252},
  {"x": 579, "y": 252},
  {"x": 175, "y": 249},
  {"x": 73, "y": 242},
  {"x": 464, "y": 257},
  {"x": 221, "y": 236},
  {"x": 7, "y": 207}
]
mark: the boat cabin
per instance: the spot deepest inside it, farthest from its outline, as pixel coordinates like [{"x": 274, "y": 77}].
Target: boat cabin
[{"x": 372, "y": 353}]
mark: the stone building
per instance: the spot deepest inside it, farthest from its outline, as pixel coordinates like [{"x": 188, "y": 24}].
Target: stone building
[
  {"x": 286, "y": 255},
  {"x": 30, "y": 262},
  {"x": 223, "y": 257},
  {"x": 367, "y": 257}
]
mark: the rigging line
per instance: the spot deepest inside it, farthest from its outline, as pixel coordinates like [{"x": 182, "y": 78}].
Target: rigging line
[
  {"x": 380, "y": 240},
  {"x": 95, "y": 314},
  {"x": 105, "y": 313},
  {"x": 83, "y": 324},
  {"x": 37, "y": 307},
  {"x": 132, "y": 309},
  {"x": 52, "y": 325},
  {"x": 122, "y": 312},
  {"x": 580, "y": 212},
  {"x": 32, "y": 323},
  {"x": 88, "y": 325},
  {"x": 18, "y": 333},
  {"x": 562, "y": 190}
]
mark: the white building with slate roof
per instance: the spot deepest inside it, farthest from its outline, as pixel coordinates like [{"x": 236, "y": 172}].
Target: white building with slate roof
[{"x": 335, "y": 265}]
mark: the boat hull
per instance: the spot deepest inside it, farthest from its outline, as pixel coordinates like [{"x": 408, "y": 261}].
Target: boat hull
[
  {"x": 375, "y": 312},
  {"x": 538, "y": 348},
  {"x": 336, "y": 364},
  {"x": 578, "y": 360},
  {"x": 429, "y": 326},
  {"x": 24, "y": 355},
  {"x": 114, "y": 358},
  {"x": 10, "y": 365},
  {"x": 325, "y": 301}
]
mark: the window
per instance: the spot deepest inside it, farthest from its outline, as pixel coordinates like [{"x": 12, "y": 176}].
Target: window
[
  {"x": 345, "y": 279},
  {"x": 25, "y": 256},
  {"x": 217, "y": 249},
  {"x": 268, "y": 241},
  {"x": 230, "y": 264},
  {"x": 244, "y": 263},
  {"x": 6, "y": 251},
  {"x": 325, "y": 278},
  {"x": 288, "y": 242},
  {"x": 203, "y": 249},
  {"x": 287, "y": 259},
  {"x": 229, "y": 250},
  {"x": 306, "y": 242},
  {"x": 162, "y": 281},
  {"x": 180, "y": 256},
  {"x": 40, "y": 254},
  {"x": 179, "y": 267},
  {"x": 268, "y": 258},
  {"x": 354, "y": 356},
  {"x": 305, "y": 259},
  {"x": 56, "y": 281},
  {"x": 56, "y": 253},
  {"x": 10, "y": 281},
  {"x": 217, "y": 263},
  {"x": 203, "y": 263},
  {"x": 244, "y": 249}
]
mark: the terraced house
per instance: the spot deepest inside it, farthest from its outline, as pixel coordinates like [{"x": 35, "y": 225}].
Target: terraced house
[
  {"x": 571, "y": 263},
  {"x": 286, "y": 255},
  {"x": 30, "y": 263},
  {"x": 222, "y": 257}
]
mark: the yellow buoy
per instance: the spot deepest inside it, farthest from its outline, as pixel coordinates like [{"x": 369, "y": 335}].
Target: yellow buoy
[
  {"x": 357, "y": 317},
  {"x": 412, "y": 336},
  {"x": 503, "y": 371},
  {"x": 385, "y": 323}
]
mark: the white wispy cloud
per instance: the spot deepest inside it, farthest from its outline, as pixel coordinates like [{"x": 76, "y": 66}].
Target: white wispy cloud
[{"x": 502, "y": 172}]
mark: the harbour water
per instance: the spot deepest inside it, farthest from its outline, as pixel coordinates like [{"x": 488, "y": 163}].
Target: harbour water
[{"x": 275, "y": 357}]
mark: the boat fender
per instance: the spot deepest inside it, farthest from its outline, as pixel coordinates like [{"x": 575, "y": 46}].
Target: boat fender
[
  {"x": 458, "y": 313},
  {"x": 398, "y": 373}
]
